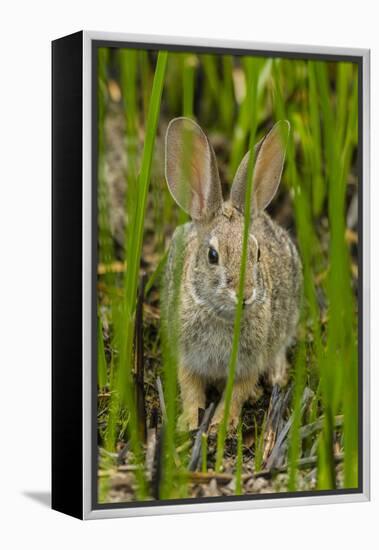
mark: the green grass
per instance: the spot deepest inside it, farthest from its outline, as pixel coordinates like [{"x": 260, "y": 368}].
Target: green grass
[
  {"x": 335, "y": 359},
  {"x": 170, "y": 333},
  {"x": 238, "y": 318},
  {"x": 101, "y": 359},
  {"x": 124, "y": 327},
  {"x": 259, "y": 433},
  {"x": 236, "y": 100}
]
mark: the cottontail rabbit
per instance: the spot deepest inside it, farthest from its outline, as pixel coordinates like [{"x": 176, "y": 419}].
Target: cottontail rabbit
[{"x": 209, "y": 250}]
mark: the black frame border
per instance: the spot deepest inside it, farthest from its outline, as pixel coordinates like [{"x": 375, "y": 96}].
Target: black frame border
[{"x": 67, "y": 257}]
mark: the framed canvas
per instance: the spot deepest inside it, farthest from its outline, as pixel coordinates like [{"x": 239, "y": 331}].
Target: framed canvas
[{"x": 210, "y": 275}]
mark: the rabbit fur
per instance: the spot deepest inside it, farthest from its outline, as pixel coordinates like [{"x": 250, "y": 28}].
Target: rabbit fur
[{"x": 208, "y": 252}]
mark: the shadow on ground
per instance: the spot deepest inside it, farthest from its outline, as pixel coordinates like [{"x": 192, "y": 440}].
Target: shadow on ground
[{"x": 42, "y": 497}]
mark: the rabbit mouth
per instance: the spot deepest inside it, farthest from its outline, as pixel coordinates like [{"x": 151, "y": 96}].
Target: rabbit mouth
[
  {"x": 227, "y": 311},
  {"x": 222, "y": 304}
]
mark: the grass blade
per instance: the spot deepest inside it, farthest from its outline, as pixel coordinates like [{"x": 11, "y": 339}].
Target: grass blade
[
  {"x": 124, "y": 327},
  {"x": 238, "y": 316}
]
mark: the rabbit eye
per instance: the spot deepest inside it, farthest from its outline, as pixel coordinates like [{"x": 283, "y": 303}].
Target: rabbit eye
[{"x": 212, "y": 256}]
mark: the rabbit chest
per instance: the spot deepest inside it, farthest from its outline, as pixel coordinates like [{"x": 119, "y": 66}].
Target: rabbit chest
[{"x": 206, "y": 343}]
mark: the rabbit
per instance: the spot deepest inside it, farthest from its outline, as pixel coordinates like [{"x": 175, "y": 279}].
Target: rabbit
[{"x": 208, "y": 250}]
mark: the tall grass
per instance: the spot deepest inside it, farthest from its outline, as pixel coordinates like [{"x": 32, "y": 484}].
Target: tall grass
[
  {"x": 106, "y": 249},
  {"x": 189, "y": 73},
  {"x": 252, "y": 89},
  {"x": 123, "y": 390},
  {"x": 238, "y": 98},
  {"x": 334, "y": 359},
  {"x": 170, "y": 334},
  {"x": 307, "y": 245}
]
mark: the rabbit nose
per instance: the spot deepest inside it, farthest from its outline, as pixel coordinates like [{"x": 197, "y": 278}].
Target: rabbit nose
[{"x": 247, "y": 294}]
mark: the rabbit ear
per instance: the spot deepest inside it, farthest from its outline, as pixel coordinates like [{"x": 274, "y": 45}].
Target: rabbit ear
[
  {"x": 269, "y": 153},
  {"x": 191, "y": 170}
]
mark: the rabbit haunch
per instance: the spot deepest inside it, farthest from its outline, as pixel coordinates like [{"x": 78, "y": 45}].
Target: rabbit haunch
[{"x": 209, "y": 250}]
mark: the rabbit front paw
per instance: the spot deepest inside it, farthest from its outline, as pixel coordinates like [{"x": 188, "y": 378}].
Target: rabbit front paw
[
  {"x": 218, "y": 418},
  {"x": 187, "y": 421}
]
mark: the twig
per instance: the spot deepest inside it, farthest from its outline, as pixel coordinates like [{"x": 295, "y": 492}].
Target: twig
[
  {"x": 151, "y": 442},
  {"x": 309, "y": 429},
  {"x": 278, "y": 404},
  {"x": 206, "y": 477},
  {"x": 154, "y": 417},
  {"x": 157, "y": 464},
  {"x": 306, "y": 431},
  {"x": 196, "y": 450},
  {"x": 352, "y": 213},
  {"x": 161, "y": 399},
  {"x": 278, "y": 451},
  {"x": 302, "y": 464},
  {"x": 224, "y": 478}
]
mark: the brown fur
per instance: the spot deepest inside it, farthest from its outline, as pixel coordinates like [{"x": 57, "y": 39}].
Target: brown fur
[{"x": 208, "y": 293}]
